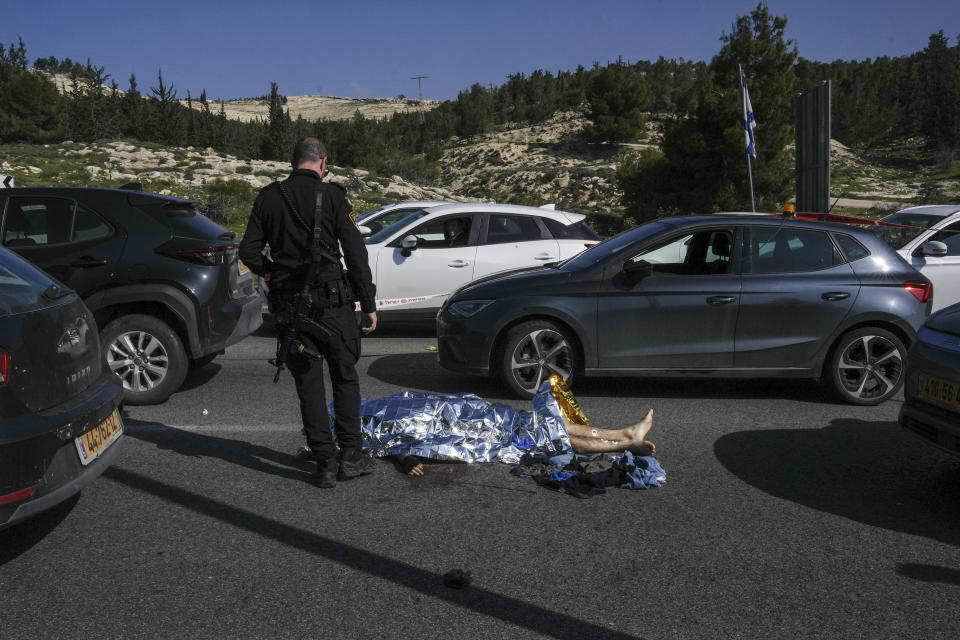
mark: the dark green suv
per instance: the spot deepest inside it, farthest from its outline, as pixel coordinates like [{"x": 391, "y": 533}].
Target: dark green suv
[{"x": 162, "y": 280}]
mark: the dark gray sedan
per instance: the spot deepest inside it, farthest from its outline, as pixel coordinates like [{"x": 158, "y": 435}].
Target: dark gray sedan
[
  {"x": 720, "y": 295},
  {"x": 931, "y": 407},
  {"x": 59, "y": 405}
]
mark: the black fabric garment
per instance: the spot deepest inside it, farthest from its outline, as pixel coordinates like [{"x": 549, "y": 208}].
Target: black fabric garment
[
  {"x": 273, "y": 223},
  {"x": 592, "y": 474},
  {"x": 341, "y": 354}
]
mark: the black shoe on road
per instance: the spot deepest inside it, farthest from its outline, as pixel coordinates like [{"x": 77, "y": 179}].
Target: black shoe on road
[
  {"x": 354, "y": 464},
  {"x": 325, "y": 476}
]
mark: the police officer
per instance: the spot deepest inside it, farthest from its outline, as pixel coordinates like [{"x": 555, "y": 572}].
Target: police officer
[{"x": 283, "y": 218}]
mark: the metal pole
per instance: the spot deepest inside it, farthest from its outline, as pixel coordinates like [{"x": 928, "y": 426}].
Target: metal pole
[{"x": 753, "y": 204}]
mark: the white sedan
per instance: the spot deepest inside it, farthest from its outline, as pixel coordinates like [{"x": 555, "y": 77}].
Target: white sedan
[
  {"x": 419, "y": 260},
  {"x": 940, "y": 261}
]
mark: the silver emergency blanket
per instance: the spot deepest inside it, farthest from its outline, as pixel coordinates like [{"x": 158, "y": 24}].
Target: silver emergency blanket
[{"x": 462, "y": 426}]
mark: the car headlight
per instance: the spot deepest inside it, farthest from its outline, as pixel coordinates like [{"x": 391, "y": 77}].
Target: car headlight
[{"x": 467, "y": 308}]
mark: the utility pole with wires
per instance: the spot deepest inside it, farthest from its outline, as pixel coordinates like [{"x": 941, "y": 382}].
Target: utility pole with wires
[{"x": 419, "y": 80}]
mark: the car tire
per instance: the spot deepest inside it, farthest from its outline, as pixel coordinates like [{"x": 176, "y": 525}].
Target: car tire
[
  {"x": 202, "y": 361},
  {"x": 532, "y": 351},
  {"x": 147, "y": 356},
  {"x": 867, "y": 366}
]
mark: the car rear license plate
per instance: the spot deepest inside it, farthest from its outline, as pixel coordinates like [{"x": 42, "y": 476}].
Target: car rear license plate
[
  {"x": 940, "y": 391},
  {"x": 94, "y": 442},
  {"x": 242, "y": 268}
]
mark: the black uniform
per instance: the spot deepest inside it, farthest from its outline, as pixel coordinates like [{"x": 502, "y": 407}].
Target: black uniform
[{"x": 290, "y": 237}]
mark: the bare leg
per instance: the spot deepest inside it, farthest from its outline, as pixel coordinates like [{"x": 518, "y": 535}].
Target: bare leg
[{"x": 590, "y": 440}]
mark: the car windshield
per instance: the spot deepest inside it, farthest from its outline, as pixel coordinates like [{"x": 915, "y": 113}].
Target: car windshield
[
  {"x": 609, "y": 247},
  {"x": 382, "y": 221},
  {"x": 373, "y": 212},
  {"x": 385, "y": 233},
  {"x": 899, "y": 237}
]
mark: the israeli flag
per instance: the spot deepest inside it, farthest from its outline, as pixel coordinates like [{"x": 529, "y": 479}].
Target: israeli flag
[{"x": 749, "y": 119}]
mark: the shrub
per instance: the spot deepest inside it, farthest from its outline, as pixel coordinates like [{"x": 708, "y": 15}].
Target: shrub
[{"x": 228, "y": 201}]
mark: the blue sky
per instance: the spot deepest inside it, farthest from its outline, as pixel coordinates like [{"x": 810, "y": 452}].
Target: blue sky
[{"x": 372, "y": 48}]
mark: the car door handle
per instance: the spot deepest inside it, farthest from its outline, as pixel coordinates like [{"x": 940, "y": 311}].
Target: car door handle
[
  {"x": 835, "y": 295},
  {"x": 719, "y": 300},
  {"x": 544, "y": 256},
  {"x": 87, "y": 261},
  {"x": 458, "y": 264}
]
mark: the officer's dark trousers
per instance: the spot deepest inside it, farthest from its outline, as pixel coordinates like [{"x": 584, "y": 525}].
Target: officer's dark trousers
[{"x": 341, "y": 357}]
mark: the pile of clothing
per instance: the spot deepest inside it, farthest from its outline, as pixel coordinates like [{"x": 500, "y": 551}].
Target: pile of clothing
[{"x": 585, "y": 476}]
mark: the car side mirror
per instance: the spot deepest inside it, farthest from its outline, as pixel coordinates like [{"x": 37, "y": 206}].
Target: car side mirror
[
  {"x": 364, "y": 230},
  {"x": 934, "y": 249},
  {"x": 637, "y": 270},
  {"x": 408, "y": 245}
]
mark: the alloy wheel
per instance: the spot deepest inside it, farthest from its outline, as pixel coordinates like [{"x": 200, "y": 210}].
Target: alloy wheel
[
  {"x": 537, "y": 355},
  {"x": 139, "y": 359},
  {"x": 870, "y": 367}
]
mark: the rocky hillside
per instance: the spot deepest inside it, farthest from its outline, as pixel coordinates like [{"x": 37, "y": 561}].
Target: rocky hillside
[
  {"x": 523, "y": 164},
  {"x": 226, "y": 183},
  {"x": 309, "y": 107},
  {"x": 325, "y": 107}
]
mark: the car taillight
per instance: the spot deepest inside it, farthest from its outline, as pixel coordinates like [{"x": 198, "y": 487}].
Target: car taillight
[
  {"x": 590, "y": 244},
  {"x": 922, "y": 291},
  {"x": 6, "y": 367},
  {"x": 22, "y": 494},
  {"x": 204, "y": 255}
]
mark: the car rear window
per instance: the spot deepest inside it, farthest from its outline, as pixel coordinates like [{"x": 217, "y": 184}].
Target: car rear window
[
  {"x": 183, "y": 218},
  {"x": 851, "y": 247},
  {"x": 21, "y": 284},
  {"x": 574, "y": 231}
]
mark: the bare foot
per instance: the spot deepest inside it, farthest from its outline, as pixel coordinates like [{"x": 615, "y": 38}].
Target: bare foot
[
  {"x": 638, "y": 432},
  {"x": 645, "y": 448}
]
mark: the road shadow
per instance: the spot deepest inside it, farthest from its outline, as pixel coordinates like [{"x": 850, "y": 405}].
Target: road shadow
[
  {"x": 870, "y": 472},
  {"x": 388, "y": 326},
  {"x": 421, "y": 371},
  {"x": 525, "y": 615},
  {"x": 20, "y": 538},
  {"x": 929, "y": 573},
  {"x": 199, "y": 377},
  {"x": 238, "y": 452}
]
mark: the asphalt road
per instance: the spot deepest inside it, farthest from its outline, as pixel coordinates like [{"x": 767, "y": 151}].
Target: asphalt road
[{"x": 785, "y": 515}]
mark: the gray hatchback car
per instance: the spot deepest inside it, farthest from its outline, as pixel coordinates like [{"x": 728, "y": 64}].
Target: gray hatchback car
[
  {"x": 931, "y": 407},
  {"x": 717, "y": 295}
]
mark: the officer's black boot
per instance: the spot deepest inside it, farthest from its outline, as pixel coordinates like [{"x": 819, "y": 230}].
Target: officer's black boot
[
  {"x": 355, "y": 463},
  {"x": 326, "y": 475}
]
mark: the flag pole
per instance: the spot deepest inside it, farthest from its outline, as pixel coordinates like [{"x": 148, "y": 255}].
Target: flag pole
[{"x": 746, "y": 124}]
